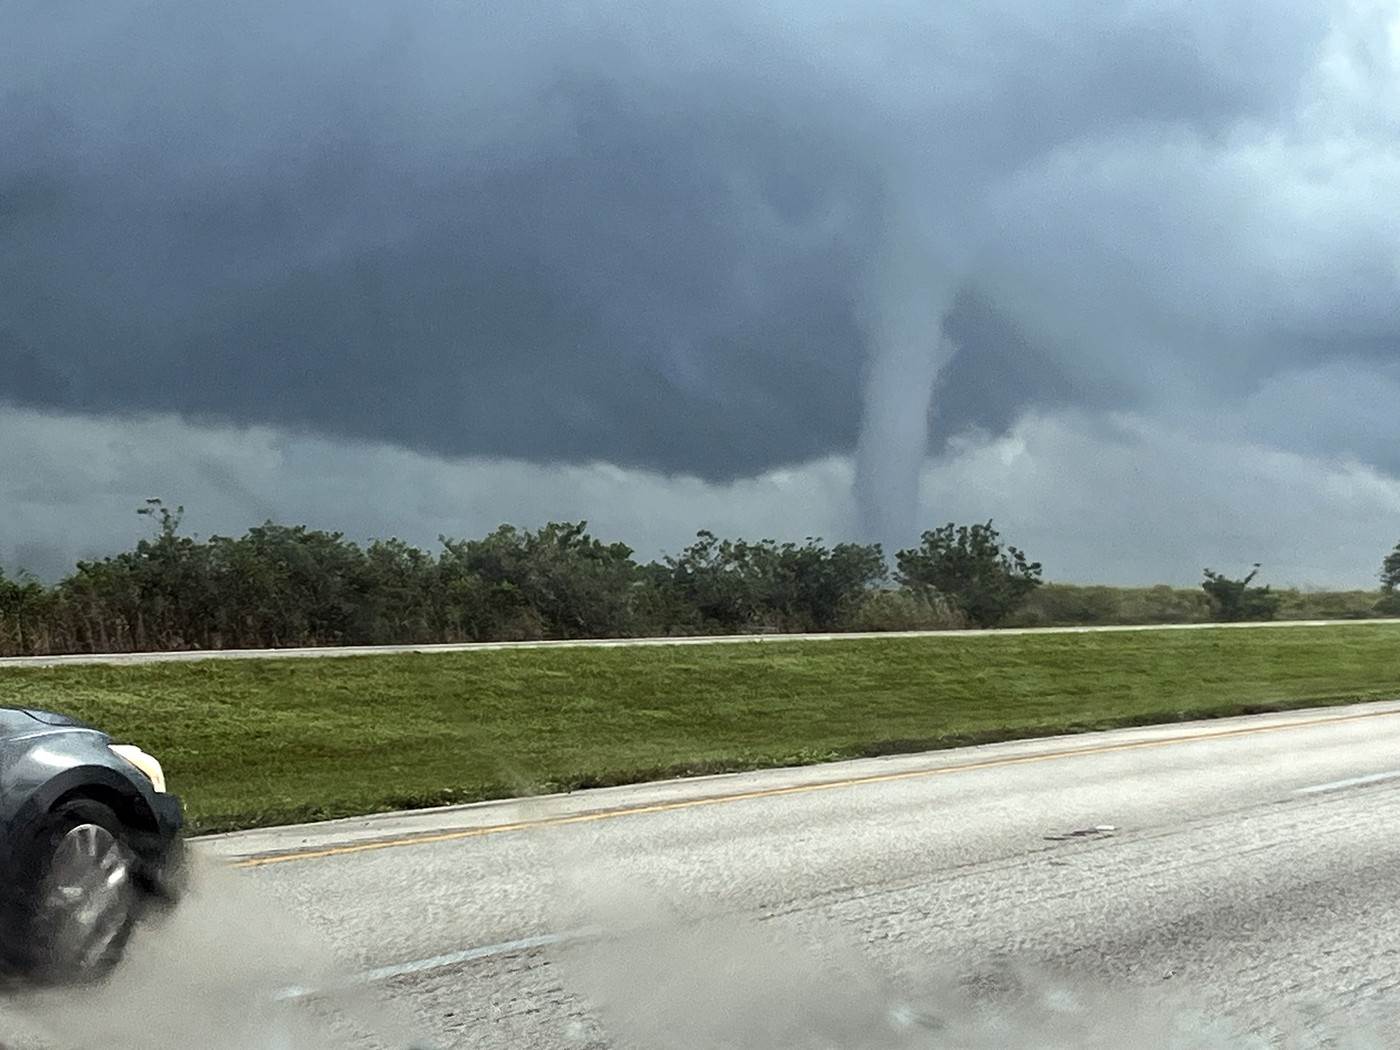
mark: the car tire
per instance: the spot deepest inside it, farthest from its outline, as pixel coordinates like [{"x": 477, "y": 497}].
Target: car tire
[{"x": 76, "y": 897}]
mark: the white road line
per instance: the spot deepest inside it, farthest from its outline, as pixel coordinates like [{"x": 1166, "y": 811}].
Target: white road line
[
  {"x": 466, "y": 955},
  {"x": 442, "y": 962},
  {"x": 184, "y": 656},
  {"x": 1338, "y": 785}
]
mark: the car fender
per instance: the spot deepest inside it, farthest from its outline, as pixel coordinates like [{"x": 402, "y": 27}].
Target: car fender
[{"x": 35, "y": 780}]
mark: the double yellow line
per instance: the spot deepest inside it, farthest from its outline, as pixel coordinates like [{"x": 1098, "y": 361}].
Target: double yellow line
[{"x": 428, "y": 838}]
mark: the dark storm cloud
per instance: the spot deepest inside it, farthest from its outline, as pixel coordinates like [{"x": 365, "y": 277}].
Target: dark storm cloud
[
  {"x": 649, "y": 234},
  {"x": 596, "y": 265}
]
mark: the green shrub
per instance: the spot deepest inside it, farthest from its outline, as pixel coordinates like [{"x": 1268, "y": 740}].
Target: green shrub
[
  {"x": 1072, "y": 605},
  {"x": 1327, "y": 605},
  {"x": 903, "y": 610}
]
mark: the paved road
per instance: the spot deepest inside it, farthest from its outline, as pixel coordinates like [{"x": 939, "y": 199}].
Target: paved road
[
  {"x": 186, "y": 656},
  {"x": 1248, "y": 868}
]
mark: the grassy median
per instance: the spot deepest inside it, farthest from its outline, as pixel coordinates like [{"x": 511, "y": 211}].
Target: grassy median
[{"x": 272, "y": 741}]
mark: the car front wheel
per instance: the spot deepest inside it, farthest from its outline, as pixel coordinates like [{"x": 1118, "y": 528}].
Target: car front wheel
[{"x": 82, "y": 896}]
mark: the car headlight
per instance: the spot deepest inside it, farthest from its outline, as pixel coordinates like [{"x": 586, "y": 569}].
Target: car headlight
[{"x": 147, "y": 764}]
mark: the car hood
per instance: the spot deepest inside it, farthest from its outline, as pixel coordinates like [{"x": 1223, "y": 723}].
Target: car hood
[
  {"x": 51, "y": 718},
  {"x": 17, "y": 721}
]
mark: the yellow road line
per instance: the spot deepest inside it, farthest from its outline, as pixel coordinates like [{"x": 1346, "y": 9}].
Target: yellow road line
[{"x": 428, "y": 838}]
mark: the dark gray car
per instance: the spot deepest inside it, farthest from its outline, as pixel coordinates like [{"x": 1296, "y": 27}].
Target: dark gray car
[{"x": 89, "y": 840}]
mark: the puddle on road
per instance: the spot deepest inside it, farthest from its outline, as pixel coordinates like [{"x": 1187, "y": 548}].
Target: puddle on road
[
  {"x": 726, "y": 985},
  {"x": 688, "y": 984},
  {"x": 211, "y": 978}
]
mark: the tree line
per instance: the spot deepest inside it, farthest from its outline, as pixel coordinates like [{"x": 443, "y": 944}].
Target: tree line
[{"x": 290, "y": 585}]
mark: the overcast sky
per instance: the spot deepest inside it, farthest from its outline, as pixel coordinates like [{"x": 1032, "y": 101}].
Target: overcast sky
[{"x": 1122, "y": 276}]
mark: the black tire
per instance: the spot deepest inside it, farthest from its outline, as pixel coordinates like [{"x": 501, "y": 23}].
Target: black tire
[{"x": 75, "y": 899}]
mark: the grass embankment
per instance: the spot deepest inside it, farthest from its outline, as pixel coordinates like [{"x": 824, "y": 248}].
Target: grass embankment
[{"x": 261, "y": 742}]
